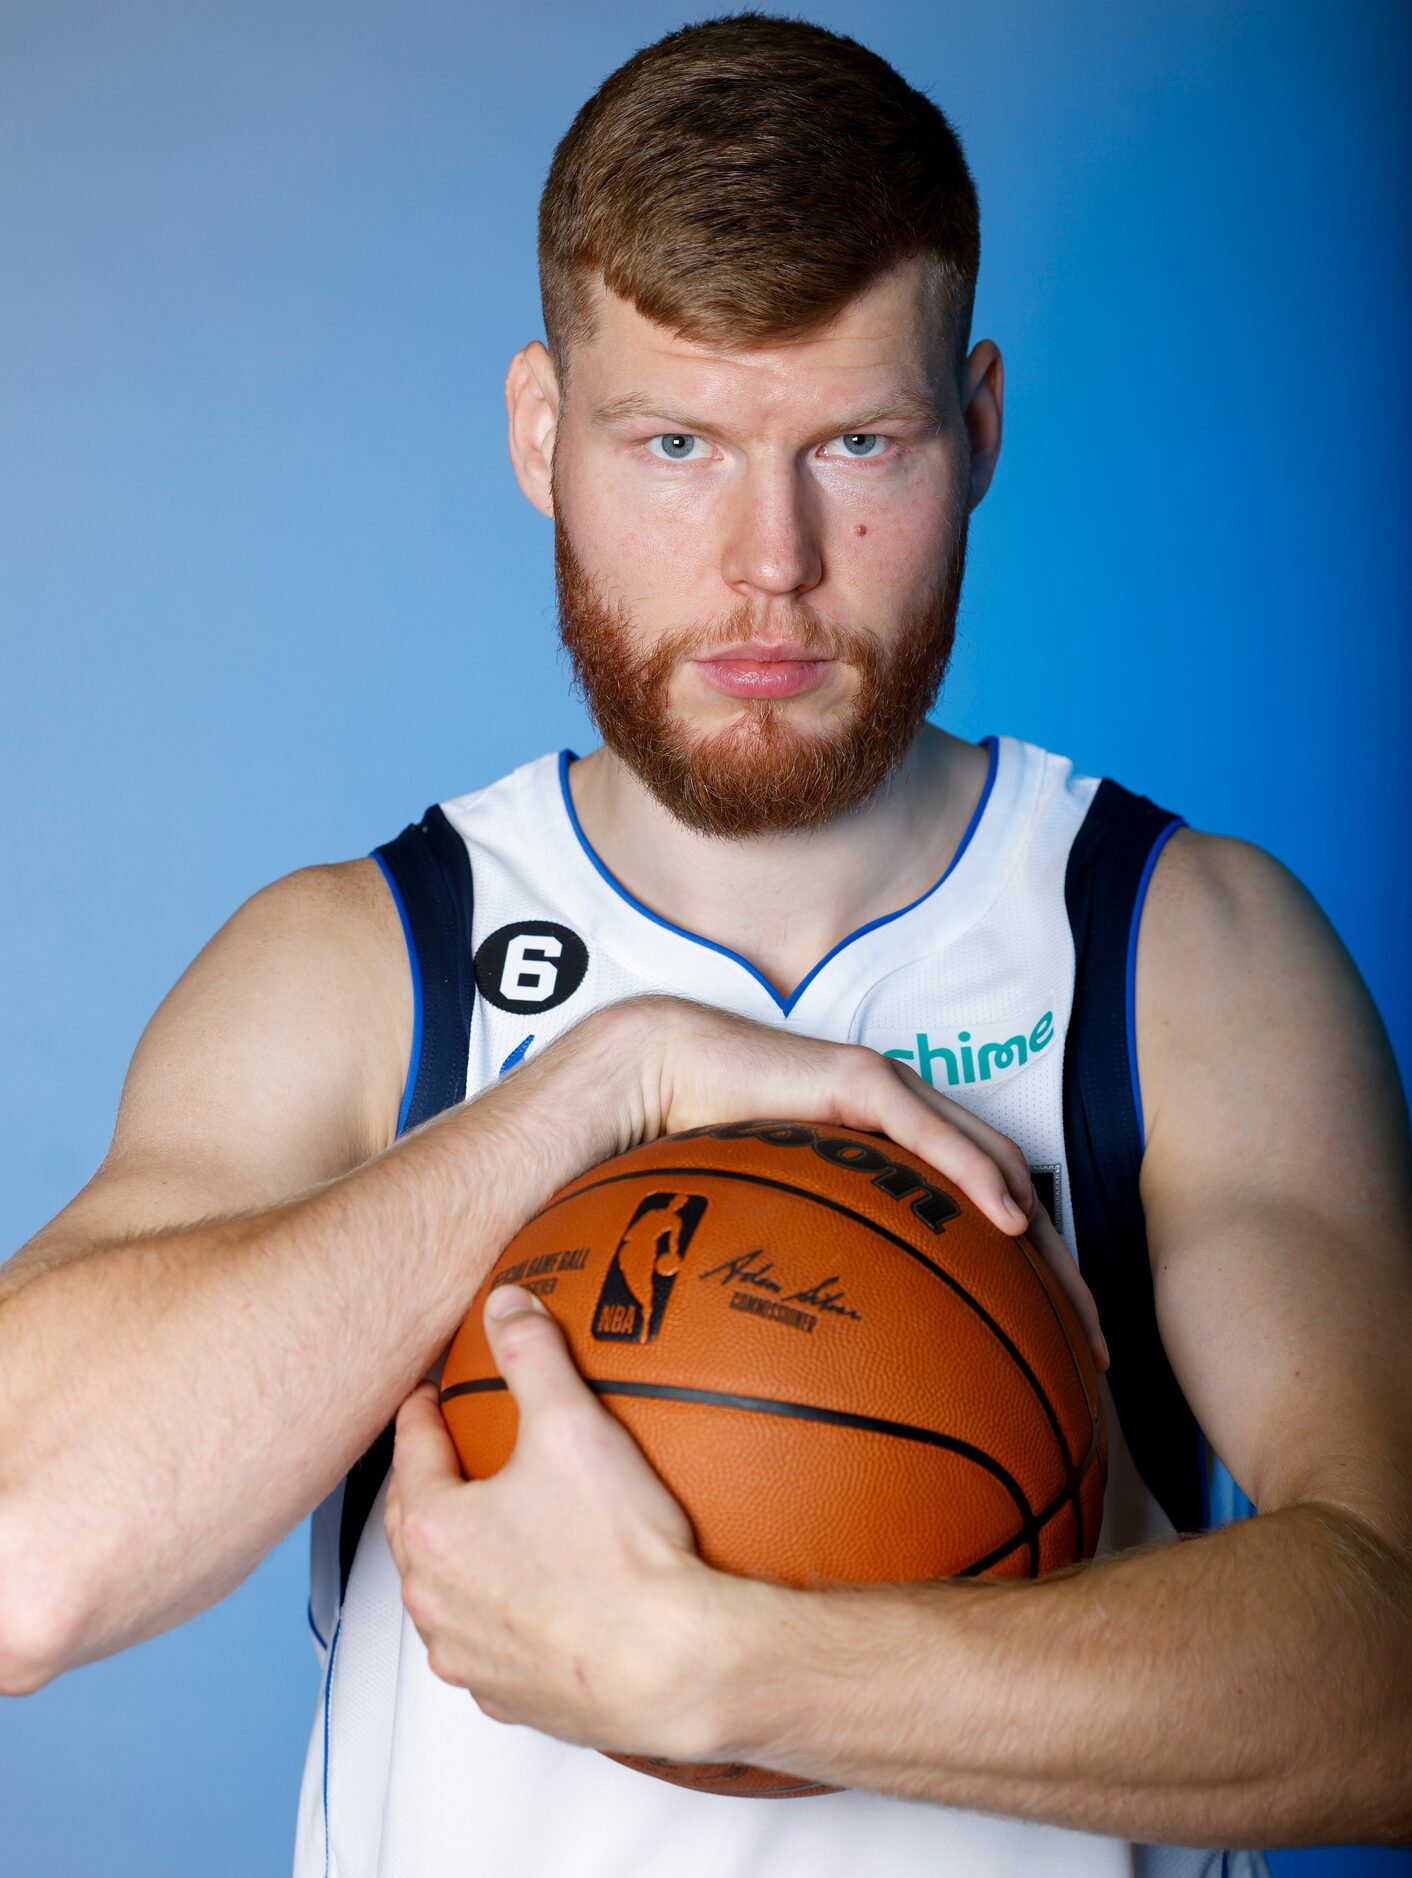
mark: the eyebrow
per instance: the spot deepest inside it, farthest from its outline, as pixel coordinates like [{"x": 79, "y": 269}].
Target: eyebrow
[{"x": 907, "y": 404}]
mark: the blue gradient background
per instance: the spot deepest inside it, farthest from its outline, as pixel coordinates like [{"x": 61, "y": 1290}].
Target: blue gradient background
[{"x": 268, "y": 587}]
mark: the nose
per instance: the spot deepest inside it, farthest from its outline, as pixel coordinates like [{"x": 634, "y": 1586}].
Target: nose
[{"x": 772, "y": 546}]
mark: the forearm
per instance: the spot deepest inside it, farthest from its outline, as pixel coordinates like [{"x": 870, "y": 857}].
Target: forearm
[
  {"x": 171, "y": 1406},
  {"x": 1252, "y": 1687}
]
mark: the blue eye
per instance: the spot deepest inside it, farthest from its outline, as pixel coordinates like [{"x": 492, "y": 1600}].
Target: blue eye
[
  {"x": 676, "y": 445},
  {"x": 858, "y": 443}
]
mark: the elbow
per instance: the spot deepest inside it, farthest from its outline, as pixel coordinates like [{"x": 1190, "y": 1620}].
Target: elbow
[
  {"x": 37, "y": 1627},
  {"x": 30, "y": 1653},
  {"x": 22, "y": 1668}
]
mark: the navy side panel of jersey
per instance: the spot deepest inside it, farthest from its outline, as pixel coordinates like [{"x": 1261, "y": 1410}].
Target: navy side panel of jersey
[
  {"x": 429, "y": 874},
  {"x": 1109, "y": 867}
]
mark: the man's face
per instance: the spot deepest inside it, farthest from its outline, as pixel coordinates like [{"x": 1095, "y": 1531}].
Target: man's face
[{"x": 759, "y": 555}]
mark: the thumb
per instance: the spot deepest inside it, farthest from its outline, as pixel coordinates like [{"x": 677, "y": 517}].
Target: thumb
[
  {"x": 530, "y": 1353},
  {"x": 423, "y": 1453}
]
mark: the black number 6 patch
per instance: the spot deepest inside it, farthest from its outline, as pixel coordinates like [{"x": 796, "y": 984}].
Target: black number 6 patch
[{"x": 530, "y": 966}]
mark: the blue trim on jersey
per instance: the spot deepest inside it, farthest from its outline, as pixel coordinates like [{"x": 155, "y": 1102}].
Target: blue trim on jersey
[
  {"x": 1131, "y": 987},
  {"x": 318, "y": 1634},
  {"x": 328, "y": 1691},
  {"x": 415, "y": 1062},
  {"x": 787, "y": 1004},
  {"x": 517, "y": 1054}
]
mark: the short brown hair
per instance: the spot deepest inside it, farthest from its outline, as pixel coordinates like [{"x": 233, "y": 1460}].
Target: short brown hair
[{"x": 741, "y": 179}]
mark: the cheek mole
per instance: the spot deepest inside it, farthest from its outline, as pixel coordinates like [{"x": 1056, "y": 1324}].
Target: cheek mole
[{"x": 860, "y": 528}]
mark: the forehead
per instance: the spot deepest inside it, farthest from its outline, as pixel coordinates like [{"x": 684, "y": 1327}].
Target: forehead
[{"x": 881, "y": 344}]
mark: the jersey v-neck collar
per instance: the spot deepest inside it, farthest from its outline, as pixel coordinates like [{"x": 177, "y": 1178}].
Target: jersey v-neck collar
[{"x": 784, "y": 1004}]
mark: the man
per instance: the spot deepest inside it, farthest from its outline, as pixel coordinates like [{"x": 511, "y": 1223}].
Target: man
[{"x": 759, "y": 428}]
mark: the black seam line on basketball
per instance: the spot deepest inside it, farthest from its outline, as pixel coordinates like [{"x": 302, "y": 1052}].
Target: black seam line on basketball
[
  {"x": 486, "y": 1385},
  {"x": 1095, "y": 1411},
  {"x": 861, "y": 1219},
  {"x": 1071, "y": 1490},
  {"x": 671, "y": 1392},
  {"x": 801, "y": 1411},
  {"x": 1033, "y": 1264},
  {"x": 1042, "y": 1519},
  {"x": 1070, "y": 1493}
]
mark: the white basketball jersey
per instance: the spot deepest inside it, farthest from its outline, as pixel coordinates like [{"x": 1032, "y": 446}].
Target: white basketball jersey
[{"x": 974, "y": 985}]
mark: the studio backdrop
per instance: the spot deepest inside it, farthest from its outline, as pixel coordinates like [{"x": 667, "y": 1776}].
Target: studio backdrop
[{"x": 268, "y": 586}]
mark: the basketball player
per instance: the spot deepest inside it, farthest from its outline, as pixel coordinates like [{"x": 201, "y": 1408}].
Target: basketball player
[{"x": 759, "y": 428}]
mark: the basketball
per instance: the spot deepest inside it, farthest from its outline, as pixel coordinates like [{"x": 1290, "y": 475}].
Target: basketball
[{"x": 840, "y": 1367}]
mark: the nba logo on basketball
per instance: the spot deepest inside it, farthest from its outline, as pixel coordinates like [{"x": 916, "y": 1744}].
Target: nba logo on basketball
[{"x": 649, "y": 1255}]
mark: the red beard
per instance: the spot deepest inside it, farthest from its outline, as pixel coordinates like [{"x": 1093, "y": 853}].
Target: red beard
[{"x": 759, "y": 774}]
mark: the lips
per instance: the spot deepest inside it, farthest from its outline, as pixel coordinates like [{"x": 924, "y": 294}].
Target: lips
[
  {"x": 783, "y": 669},
  {"x": 763, "y": 652}
]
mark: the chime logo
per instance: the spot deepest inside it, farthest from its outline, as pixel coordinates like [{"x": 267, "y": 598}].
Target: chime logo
[{"x": 978, "y": 1054}]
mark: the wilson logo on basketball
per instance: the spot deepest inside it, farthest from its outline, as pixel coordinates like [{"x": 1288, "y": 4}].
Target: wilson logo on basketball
[
  {"x": 638, "y": 1285},
  {"x": 933, "y": 1206}
]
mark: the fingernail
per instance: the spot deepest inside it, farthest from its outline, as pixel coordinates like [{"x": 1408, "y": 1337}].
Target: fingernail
[
  {"x": 510, "y": 1301},
  {"x": 1103, "y": 1350},
  {"x": 1014, "y": 1211}
]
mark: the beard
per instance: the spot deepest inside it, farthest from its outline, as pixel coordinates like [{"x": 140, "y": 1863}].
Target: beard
[{"x": 761, "y": 773}]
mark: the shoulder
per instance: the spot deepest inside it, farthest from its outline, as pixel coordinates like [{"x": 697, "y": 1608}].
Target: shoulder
[
  {"x": 1247, "y": 1003},
  {"x": 299, "y": 1010},
  {"x": 1222, "y": 874},
  {"x": 1225, "y": 919},
  {"x": 343, "y": 904},
  {"x": 313, "y": 938}
]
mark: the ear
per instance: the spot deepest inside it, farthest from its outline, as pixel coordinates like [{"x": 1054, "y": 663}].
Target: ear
[
  {"x": 532, "y": 401},
  {"x": 983, "y": 406}
]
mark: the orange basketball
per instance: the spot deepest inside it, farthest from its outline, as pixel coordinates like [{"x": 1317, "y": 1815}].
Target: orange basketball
[{"x": 839, "y": 1366}]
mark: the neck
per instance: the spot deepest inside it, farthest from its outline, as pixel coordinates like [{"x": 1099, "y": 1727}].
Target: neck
[{"x": 784, "y": 900}]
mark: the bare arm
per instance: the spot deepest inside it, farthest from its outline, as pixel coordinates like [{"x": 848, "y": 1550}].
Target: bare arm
[{"x": 190, "y": 1358}]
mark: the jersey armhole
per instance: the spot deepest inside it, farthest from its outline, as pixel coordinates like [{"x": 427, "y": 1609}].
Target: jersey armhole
[
  {"x": 1130, "y": 974},
  {"x": 428, "y": 870},
  {"x": 409, "y": 1082},
  {"x": 1109, "y": 868}
]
